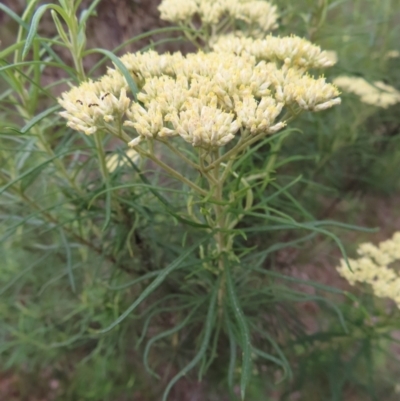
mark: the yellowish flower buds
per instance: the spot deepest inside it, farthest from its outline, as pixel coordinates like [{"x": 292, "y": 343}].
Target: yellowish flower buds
[
  {"x": 377, "y": 94},
  {"x": 373, "y": 268},
  {"x": 256, "y": 13},
  {"x": 242, "y": 87},
  {"x": 290, "y": 51}
]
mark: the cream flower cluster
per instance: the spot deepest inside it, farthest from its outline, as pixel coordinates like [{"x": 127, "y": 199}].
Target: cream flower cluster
[
  {"x": 309, "y": 93},
  {"x": 205, "y": 98},
  {"x": 373, "y": 268},
  {"x": 92, "y": 104},
  {"x": 258, "y": 14},
  {"x": 377, "y": 94},
  {"x": 291, "y": 51},
  {"x": 200, "y": 98}
]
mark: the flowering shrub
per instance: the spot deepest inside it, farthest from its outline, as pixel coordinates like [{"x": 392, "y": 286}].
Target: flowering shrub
[
  {"x": 220, "y": 102},
  {"x": 143, "y": 208}
]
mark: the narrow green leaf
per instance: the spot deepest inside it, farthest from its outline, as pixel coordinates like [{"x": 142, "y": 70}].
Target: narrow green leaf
[
  {"x": 268, "y": 357},
  {"x": 88, "y": 12},
  {"x": 120, "y": 66},
  {"x": 232, "y": 353},
  {"x": 282, "y": 189},
  {"x": 135, "y": 39},
  {"x": 107, "y": 207},
  {"x": 12, "y": 14},
  {"x": 38, "y": 118},
  {"x": 161, "y": 198},
  {"x": 282, "y": 361},
  {"x": 176, "y": 264},
  {"x": 23, "y": 272},
  {"x": 35, "y": 22},
  {"x": 11, "y": 49},
  {"x": 27, "y": 181},
  {"x": 60, "y": 28},
  {"x": 209, "y": 322},
  {"x": 160, "y": 336},
  {"x": 27, "y": 173},
  {"x": 150, "y": 314},
  {"x": 69, "y": 260},
  {"x": 244, "y": 331}
]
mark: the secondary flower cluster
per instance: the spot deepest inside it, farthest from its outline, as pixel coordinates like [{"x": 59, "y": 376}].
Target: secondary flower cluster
[
  {"x": 258, "y": 14},
  {"x": 205, "y": 98},
  {"x": 373, "y": 268},
  {"x": 290, "y": 51},
  {"x": 377, "y": 94},
  {"x": 92, "y": 104}
]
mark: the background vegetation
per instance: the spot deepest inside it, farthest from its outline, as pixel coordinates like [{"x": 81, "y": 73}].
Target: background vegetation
[{"x": 74, "y": 259}]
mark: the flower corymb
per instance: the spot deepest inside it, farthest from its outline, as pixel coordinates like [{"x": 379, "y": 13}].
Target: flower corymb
[
  {"x": 241, "y": 83},
  {"x": 185, "y": 95}
]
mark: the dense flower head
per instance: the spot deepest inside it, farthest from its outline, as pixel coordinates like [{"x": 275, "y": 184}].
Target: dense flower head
[
  {"x": 204, "y": 125},
  {"x": 89, "y": 106},
  {"x": 259, "y": 116},
  {"x": 178, "y": 10},
  {"x": 291, "y": 51},
  {"x": 373, "y": 268},
  {"x": 310, "y": 94},
  {"x": 377, "y": 94},
  {"x": 260, "y": 15},
  {"x": 178, "y": 94}
]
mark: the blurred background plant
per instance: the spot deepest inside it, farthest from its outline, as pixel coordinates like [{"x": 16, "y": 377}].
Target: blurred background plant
[{"x": 73, "y": 262}]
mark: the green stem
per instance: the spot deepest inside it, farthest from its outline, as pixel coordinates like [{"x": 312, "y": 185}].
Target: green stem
[
  {"x": 180, "y": 154},
  {"x": 242, "y": 143},
  {"x": 220, "y": 235},
  {"x": 271, "y": 162},
  {"x": 171, "y": 171},
  {"x": 76, "y": 49},
  {"x": 101, "y": 156},
  {"x": 45, "y": 146}
]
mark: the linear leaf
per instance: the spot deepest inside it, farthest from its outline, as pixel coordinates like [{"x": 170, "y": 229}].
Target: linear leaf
[
  {"x": 35, "y": 22},
  {"x": 156, "y": 283},
  {"x": 38, "y": 118},
  {"x": 165, "y": 333},
  {"x": 121, "y": 67},
  {"x": 244, "y": 331},
  {"x": 204, "y": 344}
]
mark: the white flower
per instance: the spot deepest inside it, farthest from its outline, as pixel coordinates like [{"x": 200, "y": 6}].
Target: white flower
[
  {"x": 169, "y": 93},
  {"x": 87, "y": 107},
  {"x": 204, "y": 126},
  {"x": 377, "y": 94},
  {"x": 373, "y": 268},
  {"x": 259, "y": 13},
  {"x": 80, "y": 108},
  {"x": 311, "y": 94},
  {"x": 259, "y": 117},
  {"x": 178, "y": 10},
  {"x": 292, "y": 51}
]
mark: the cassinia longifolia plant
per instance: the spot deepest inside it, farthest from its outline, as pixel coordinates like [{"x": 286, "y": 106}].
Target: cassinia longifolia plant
[{"x": 209, "y": 109}]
